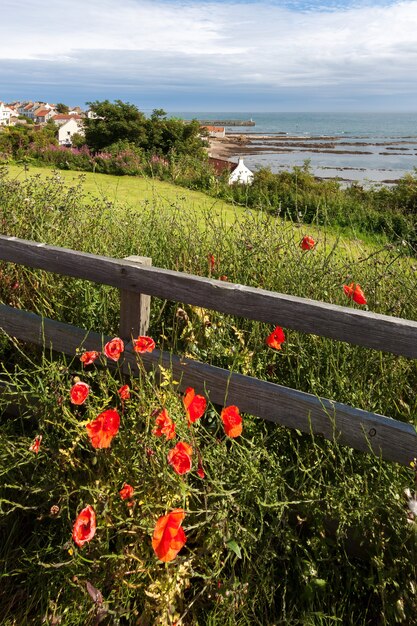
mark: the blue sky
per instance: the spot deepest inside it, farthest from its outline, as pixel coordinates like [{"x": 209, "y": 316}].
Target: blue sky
[{"x": 226, "y": 55}]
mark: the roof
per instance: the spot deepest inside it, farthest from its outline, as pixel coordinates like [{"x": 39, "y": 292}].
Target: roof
[
  {"x": 220, "y": 165},
  {"x": 42, "y": 112},
  {"x": 214, "y": 129},
  {"x": 65, "y": 116}
]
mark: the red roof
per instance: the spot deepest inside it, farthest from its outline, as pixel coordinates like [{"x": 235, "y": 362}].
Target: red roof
[
  {"x": 64, "y": 116},
  {"x": 214, "y": 129},
  {"x": 42, "y": 112}
]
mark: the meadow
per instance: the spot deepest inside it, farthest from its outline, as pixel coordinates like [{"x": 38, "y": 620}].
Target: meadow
[{"x": 285, "y": 528}]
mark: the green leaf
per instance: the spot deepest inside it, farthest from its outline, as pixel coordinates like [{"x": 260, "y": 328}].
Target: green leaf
[{"x": 234, "y": 547}]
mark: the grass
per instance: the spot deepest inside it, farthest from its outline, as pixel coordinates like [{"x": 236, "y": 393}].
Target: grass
[
  {"x": 135, "y": 192},
  {"x": 285, "y": 528}
]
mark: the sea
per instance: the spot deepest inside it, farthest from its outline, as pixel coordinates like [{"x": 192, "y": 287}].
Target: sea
[{"x": 370, "y": 148}]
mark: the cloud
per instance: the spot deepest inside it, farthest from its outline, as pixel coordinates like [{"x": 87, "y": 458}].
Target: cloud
[{"x": 194, "y": 47}]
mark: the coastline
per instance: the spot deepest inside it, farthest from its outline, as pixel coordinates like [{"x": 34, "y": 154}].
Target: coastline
[{"x": 357, "y": 159}]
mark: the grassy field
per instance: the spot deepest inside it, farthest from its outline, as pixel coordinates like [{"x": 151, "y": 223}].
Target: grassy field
[
  {"x": 133, "y": 191},
  {"x": 285, "y": 528}
]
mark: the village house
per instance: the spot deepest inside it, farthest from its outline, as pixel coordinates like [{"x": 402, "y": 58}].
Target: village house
[
  {"x": 43, "y": 114},
  {"x": 5, "y": 114},
  {"x": 215, "y": 131},
  {"x": 68, "y": 129},
  {"x": 241, "y": 174},
  {"x": 63, "y": 118}
]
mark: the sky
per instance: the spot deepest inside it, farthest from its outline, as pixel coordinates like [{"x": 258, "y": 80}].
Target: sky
[{"x": 225, "y": 55}]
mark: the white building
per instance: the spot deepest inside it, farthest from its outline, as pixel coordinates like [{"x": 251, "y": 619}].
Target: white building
[
  {"x": 241, "y": 174},
  {"x": 67, "y": 130},
  {"x": 5, "y": 114},
  {"x": 215, "y": 131}
]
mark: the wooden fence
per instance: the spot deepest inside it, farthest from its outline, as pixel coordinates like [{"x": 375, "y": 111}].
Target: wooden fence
[{"x": 137, "y": 280}]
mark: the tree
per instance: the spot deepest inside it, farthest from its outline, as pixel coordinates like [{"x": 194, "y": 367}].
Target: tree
[
  {"x": 62, "y": 108},
  {"x": 123, "y": 122},
  {"x": 120, "y": 121}
]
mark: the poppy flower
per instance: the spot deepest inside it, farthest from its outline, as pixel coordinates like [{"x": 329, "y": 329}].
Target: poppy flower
[
  {"x": 194, "y": 405},
  {"x": 232, "y": 421},
  {"x": 143, "y": 344},
  {"x": 164, "y": 425},
  {"x": 126, "y": 492},
  {"x": 102, "y": 430},
  {"x": 36, "y": 444},
  {"x": 212, "y": 261},
  {"x": 168, "y": 536},
  {"x": 223, "y": 277},
  {"x": 200, "y": 470},
  {"x": 307, "y": 243},
  {"x": 85, "y": 526},
  {"x": 180, "y": 457},
  {"x": 124, "y": 392},
  {"x": 355, "y": 293},
  {"x": 79, "y": 393},
  {"x": 114, "y": 348},
  {"x": 89, "y": 357},
  {"x": 276, "y": 338}
]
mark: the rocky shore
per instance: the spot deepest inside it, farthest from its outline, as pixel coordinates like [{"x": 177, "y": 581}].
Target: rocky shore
[{"x": 358, "y": 149}]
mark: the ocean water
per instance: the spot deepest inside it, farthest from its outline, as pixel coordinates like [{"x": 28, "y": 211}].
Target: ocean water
[{"x": 365, "y": 147}]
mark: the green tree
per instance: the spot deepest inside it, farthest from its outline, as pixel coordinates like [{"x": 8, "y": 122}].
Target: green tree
[
  {"x": 120, "y": 121},
  {"x": 62, "y": 108}
]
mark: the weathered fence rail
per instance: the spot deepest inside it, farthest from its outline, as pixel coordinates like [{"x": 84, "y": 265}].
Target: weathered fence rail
[{"x": 362, "y": 430}]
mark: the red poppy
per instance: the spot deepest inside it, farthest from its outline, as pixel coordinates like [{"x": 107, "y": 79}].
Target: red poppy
[
  {"x": 36, "y": 444},
  {"x": 85, "y": 526},
  {"x": 180, "y": 457},
  {"x": 194, "y": 405},
  {"x": 124, "y": 392},
  {"x": 143, "y": 344},
  {"x": 164, "y": 425},
  {"x": 200, "y": 470},
  {"x": 355, "y": 293},
  {"x": 89, "y": 357},
  {"x": 307, "y": 243},
  {"x": 126, "y": 492},
  {"x": 79, "y": 393},
  {"x": 223, "y": 277},
  {"x": 102, "y": 430},
  {"x": 114, "y": 348},
  {"x": 276, "y": 338},
  {"x": 212, "y": 261},
  {"x": 232, "y": 421},
  {"x": 168, "y": 536}
]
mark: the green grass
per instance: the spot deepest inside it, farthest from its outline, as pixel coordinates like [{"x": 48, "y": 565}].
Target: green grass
[
  {"x": 133, "y": 191},
  {"x": 286, "y": 528}
]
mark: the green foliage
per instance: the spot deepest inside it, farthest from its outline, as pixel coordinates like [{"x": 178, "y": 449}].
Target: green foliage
[
  {"x": 62, "y": 108},
  {"x": 123, "y": 122},
  {"x": 286, "y": 528},
  {"x": 120, "y": 121}
]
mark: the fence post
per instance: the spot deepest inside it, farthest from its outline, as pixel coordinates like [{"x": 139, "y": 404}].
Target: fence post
[{"x": 134, "y": 307}]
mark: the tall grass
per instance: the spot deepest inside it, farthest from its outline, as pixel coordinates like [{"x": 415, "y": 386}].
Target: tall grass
[{"x": 285, "y": 528}]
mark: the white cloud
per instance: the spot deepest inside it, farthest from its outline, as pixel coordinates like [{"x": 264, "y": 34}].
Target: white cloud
[{"x": 260, "y": 45}]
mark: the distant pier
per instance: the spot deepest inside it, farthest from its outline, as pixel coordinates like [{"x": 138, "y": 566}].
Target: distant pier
[{"x": 226, "y": 122}]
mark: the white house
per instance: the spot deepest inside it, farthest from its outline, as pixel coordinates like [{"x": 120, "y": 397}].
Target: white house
[
  {"x": 241, "y": 174},
  {"x": 5, "y": 114},
  {"x": 43, "y": 114},
  {"x": 215, "y": 131},
  {"x": 67, "y": 130}
]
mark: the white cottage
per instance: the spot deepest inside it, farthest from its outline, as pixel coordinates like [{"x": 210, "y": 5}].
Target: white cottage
[
  {"x": 241, "y": 174},
  {"x": 67, "y": 130},
  {"x": 5, "y": 114}
]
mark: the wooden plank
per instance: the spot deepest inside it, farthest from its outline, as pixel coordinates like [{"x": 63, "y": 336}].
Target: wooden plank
[
  {"x": 381, "y": 332},
  {"x": 135, "y": 308},
  {"x": 388, "y": 438}
]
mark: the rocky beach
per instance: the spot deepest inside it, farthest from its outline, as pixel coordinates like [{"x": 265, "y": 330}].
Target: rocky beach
[{"x": 362, "y": 159}]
